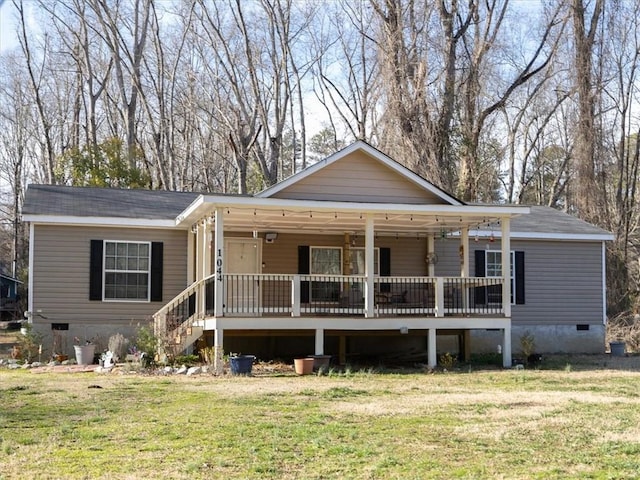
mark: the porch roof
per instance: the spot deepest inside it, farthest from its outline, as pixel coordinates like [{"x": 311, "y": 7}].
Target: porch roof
[{"x": 286, "y": 215}]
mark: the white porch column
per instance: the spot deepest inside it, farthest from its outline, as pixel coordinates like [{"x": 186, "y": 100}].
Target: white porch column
[
  {"x": 506, "y": 347},
  {"x": 431, "y": 248},
  {"x": 206, "y": 251},
  {"x": 464, "y": 245},
  {"x": 369, "y": 293},
  {"x": 295, "y": 296},
  {"x": 218, "y": 348},
  {"x": 205, "y": 259},
  {"x": 432, "y": 358},
  {"x": 506, "y": 266},
  {"x": 198, "y": 253},
  {"x": 319, "y": 341},
  {"x": 191, "y": 260},
  {"x": 219, "y": 245},
  {"x": 439, "y": 297}
]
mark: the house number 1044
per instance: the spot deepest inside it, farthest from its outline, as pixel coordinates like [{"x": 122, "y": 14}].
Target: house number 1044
[{"x": 219, "y": 265}]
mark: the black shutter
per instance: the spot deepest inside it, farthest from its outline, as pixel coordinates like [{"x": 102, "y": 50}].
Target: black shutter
[
  {"x": 304, "y": 253},
  {"x": 519, "y": 270},
  {"x": 156, "y": 271},
  {"x": 95, "y": 270},
  {"x": 480, "y": 293},
  {"x": 385, "y": 267}
]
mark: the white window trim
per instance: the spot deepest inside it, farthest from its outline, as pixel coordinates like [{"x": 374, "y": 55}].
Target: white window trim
[
  {"x": 104, "y": 273},
  {"x": 513, "y": 271}
]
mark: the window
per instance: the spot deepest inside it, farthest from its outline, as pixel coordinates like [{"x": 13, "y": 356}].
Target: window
[
  {"x": 493, "y": 269},
  {"x": 358, "y": 261},
  {"x": 126, "y": 270},
  {"x": 326, "y": 261}
]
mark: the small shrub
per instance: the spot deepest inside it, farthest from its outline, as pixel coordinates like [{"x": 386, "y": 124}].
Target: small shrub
[
  {"x": 527, "y": 344},
  {"x": 146, "y": 341},
  {"x": 208, "y": 355},
  {"x": 118, "y": 346},
  {"x": 447, "y": 361},
  {"x": 29, "y": 343},
  {"x": 186, "y": 360}
]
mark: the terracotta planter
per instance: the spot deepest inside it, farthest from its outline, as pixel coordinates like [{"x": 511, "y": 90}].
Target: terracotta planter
[
  {"x": 303, "y": 366},
  {"x": 84, "y": 354}
]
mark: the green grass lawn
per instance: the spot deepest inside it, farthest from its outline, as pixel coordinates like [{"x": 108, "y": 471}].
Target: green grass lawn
[{"x": 539, "y": 424}]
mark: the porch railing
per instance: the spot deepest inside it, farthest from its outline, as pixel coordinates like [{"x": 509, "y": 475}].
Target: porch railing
[{"x": 304, "y": 295}]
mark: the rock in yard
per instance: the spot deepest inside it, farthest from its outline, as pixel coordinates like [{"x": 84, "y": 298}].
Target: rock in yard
[{"x": 194, "y": 371}]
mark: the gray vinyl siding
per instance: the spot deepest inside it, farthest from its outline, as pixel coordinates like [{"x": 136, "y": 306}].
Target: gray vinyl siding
[
  {"x": 563, "y": 279},
  {"x": 563, "y": 283},
  {"x": 61, "y": 273},
  {"x": 356, "y": 178}
]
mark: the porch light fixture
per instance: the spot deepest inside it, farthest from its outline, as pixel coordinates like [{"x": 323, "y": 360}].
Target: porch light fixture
[
  {"x": 404, "y": 330},
  {"x": 270, "y": 237}
]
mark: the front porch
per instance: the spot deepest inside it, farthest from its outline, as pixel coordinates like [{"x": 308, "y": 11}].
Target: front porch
[{"x": 322, "y": 305}]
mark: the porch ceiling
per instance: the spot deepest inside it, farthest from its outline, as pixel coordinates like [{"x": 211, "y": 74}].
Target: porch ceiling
[{"x": 340, "y": 217}]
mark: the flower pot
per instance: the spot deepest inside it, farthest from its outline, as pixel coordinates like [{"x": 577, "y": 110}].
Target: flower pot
[
  {"x": 320, "y": 362},
  {"x": 617, "y": 349},
  {"x": 84, "y": 354},
  {"x": 303, "y": 366},
  {"x": 241, "y": 364}
]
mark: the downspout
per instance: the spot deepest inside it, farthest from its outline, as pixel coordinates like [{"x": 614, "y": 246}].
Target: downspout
[
  {"x": 32, "y": 242},
  {"x": 604, "y": 283}
]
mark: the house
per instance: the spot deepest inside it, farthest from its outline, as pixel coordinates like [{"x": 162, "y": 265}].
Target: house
[
  {"x": 354, "y": 256},
  {"x": 10, "y": 299}
]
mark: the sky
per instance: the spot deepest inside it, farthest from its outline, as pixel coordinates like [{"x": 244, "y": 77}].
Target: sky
[{"x": 7, "y": 26}]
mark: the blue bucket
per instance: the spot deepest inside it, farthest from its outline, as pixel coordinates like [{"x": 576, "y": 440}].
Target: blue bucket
[
  {"x": 242, "y": 364},
  {"x": 617, "y": 349}
]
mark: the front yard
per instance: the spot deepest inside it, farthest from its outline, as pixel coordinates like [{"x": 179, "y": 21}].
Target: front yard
[{"x": 576, "y": 421}]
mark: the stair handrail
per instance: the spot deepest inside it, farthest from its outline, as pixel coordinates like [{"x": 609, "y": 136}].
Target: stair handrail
[{"x": 161, "y": 315}]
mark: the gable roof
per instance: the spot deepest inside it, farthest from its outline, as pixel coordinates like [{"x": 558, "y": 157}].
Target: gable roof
[
  {"x": 65, "y": 201},
  {"x": 375, "y": 155}
]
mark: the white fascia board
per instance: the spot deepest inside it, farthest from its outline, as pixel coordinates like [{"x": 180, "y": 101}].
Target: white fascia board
[
  {"x": 205, "y": 203},
  {"x": 591, "y": 237},
  {"x": 193, "y": 208},
  {"x": 98, "y": 221},
  {"x": 368, "y": 149}
]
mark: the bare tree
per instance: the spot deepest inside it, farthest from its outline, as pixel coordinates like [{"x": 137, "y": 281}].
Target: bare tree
[
  {"x": 124, "y": 31},
  {"x": 475, "y": 112},
  {"x": 585, "y": 32},
  {"x": 346, "y": 71},
  {"x": 36, "y": 76}
]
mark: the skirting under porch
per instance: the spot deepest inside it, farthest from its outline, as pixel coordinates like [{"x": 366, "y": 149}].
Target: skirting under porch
[{"x": 345, "y": 338}]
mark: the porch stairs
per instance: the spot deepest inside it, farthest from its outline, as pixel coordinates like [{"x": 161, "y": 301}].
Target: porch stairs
[
  {"x": 176, "y": 324},
  {"x": 184, "y": 336}
]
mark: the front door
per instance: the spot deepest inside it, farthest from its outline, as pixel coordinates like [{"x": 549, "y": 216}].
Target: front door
[{"x": 244, "y": 262}]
